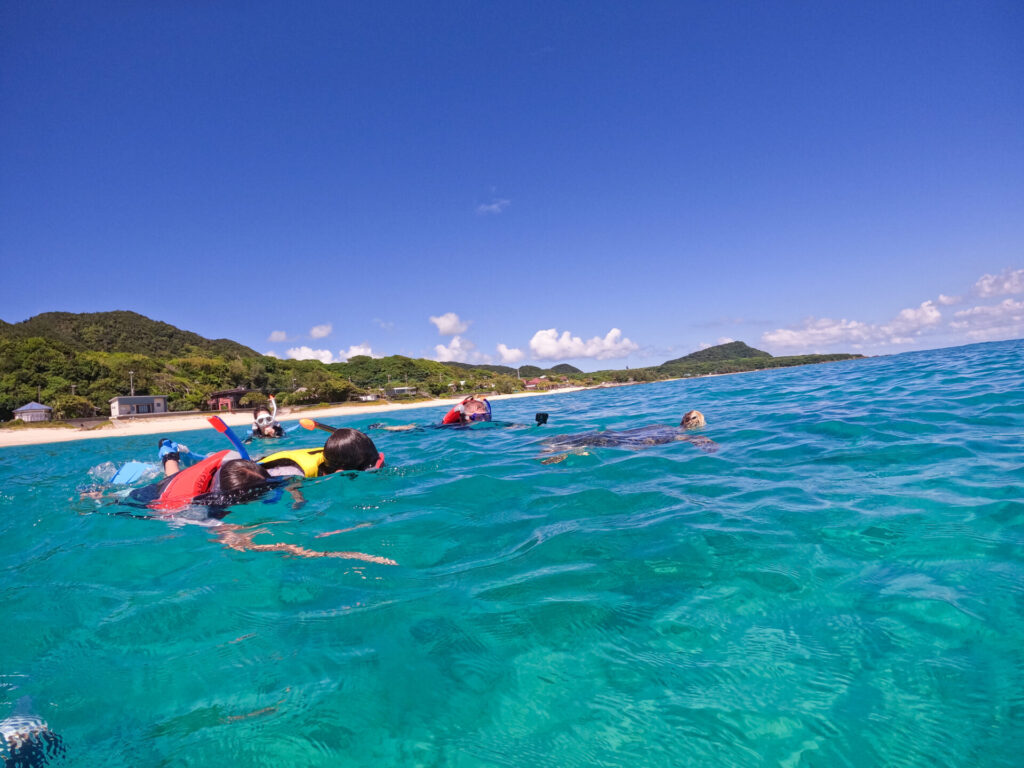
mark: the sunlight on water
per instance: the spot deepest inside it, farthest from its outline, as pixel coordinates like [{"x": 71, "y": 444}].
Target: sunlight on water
[{"x": 841, "y": 584}]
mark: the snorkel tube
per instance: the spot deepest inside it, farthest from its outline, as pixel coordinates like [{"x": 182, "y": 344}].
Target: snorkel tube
[{"x": 218, "y": 423}]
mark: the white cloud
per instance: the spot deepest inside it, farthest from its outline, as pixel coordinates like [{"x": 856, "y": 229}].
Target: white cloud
[
  {"x": 276, "y": 337},
  {"x": 356, "y": 350},
  {"x": 494, "y": 207},
  {"x": 510, "y": 356},
  {"x": 913, "y": 320},
  {"x": 459, "y": 350},
  {"x": 548, "y": 345},
  {"x": 321, "y": 331},
  {"x": 387, "y": 325},
  {"x": 272, "y": 353},
  {"x": 1004, "y": 320},
  {"x": 1010, "y": 281},
  {"x": 984, "y": 322},
  {"x": 307, "y": 353},
  {"x": 449, "y": 324},
  {"x": 726, "y": 340},
  {"x": 821, "y": 332}
]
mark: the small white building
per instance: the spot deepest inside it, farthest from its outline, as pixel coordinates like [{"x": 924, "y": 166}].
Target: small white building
[
  {"x": 33, "y": 412},
  {"x": 401, "y": 391},
  {"x": 137, "y": 405}
]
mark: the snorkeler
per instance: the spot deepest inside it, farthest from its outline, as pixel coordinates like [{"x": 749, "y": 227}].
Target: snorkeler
[
  {"x": 346, "y": 450},
  {"x": 636, "y": 439},
  {"x": 264, "y": 421},
  {"x": 468, "y": 411},
  {"x": 220, "y": 478},
  {"x": 208, "y": 488},
  {"x": 471, "y": 410}
]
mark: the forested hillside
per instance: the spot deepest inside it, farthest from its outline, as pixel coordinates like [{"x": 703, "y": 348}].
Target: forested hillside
[
  {"x": 77, "y": 363},
  {"x": 125, "y": 332}
]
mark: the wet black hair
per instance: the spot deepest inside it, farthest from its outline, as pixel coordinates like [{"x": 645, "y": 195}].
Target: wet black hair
[
  {"x": 348, "y": 449},
  {"x": 237, "y": 474}
]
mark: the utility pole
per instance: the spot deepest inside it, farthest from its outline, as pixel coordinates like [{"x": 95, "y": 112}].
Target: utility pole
[
  {"x": 73, "y": 390},
  {"x": 131, "y": 379}
]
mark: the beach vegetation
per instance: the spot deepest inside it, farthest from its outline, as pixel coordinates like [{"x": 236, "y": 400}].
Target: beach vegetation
[{"x": 77, "y": 363}]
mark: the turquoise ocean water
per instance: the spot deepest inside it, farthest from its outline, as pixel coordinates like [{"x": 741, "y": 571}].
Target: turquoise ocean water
[{"x": 841, "y": 584}]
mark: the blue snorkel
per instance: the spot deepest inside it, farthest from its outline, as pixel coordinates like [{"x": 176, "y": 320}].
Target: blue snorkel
[{"x": 218, "y": 423}]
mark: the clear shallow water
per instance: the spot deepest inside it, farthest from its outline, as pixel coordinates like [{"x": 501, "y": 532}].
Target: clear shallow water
[{"x": 842, "y": 584}]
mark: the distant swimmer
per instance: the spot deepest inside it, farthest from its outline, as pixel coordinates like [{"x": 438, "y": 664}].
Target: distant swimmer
[
  {"x": 635, "y": 439},
  {"x": 470, "y": 411},
  {"x": 264, "y": 421}
]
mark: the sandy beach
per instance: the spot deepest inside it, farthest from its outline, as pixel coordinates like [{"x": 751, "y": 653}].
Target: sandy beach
[{"x": 172, "y": 425}]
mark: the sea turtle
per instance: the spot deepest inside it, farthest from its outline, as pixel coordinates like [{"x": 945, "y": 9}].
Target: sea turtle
[{"x": 634, "y": 439}]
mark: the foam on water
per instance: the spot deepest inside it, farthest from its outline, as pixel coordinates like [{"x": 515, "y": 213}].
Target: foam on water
[{"x": 841, "y": 584}]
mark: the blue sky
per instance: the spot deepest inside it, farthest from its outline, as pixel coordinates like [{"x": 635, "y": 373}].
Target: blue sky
[{"x": 607, "y": 184}]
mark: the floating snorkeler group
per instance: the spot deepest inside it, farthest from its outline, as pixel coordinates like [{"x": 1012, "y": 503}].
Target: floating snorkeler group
[{"x": 200, "y": 489}]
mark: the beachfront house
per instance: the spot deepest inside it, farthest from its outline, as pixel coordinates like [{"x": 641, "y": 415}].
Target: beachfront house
[
  {"x": 226, "y": 399},
  {"x": 394, "y": 392},
  {"x": 33, "y": 412},
  {"x": 137, "y": 405}
]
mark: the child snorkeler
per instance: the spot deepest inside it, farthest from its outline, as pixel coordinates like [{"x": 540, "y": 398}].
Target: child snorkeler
[
  {"x": 264, "y": 421},
  {"x": 346, "y": 450},
  {"x": 206, "y": 489}
]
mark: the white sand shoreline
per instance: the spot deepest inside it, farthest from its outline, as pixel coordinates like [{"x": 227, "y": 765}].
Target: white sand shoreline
[{"x": 171, "y": 425}]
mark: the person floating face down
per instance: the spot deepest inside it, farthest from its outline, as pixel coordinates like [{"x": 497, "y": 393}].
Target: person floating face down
[
  {"x": 223, "y": 479},
  {"x": 264, "y": 421},
  {"x": 346, "y": 450},
  {"x": 635, "y": 439}
]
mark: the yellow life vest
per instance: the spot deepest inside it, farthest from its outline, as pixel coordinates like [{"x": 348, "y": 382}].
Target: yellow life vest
[{"x": 307, "y": 459}]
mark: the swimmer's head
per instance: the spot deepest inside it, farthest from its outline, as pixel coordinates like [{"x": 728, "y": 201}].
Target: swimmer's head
[
  {"x": 476, "y": 410},
  {"x": 349, "y": 449},
  {"x": 237, "y": 474},
  {"x": 692, "y": 420}
]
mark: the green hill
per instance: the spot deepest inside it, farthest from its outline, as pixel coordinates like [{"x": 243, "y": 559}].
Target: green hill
[
  {"x": 734, "y": 350},
  {"x": 76, "y": 362},
  {"x": 565, "y": 369},
  {"x": 123, "y": 332}
]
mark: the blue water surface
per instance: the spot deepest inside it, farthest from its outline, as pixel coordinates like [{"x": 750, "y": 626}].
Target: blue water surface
[{"x": 840, "y": 584}]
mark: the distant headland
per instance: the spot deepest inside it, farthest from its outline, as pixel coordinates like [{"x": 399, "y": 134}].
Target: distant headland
[{"x": 77, "y": 364}]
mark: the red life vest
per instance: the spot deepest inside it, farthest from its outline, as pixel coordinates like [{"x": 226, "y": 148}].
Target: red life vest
[
  {"x": 193, "y": 481},
  {"x": 454, "y": 416}
]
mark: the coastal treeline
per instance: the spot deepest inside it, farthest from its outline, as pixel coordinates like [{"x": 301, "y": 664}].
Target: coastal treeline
[{"x": 76, "y": 363}]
